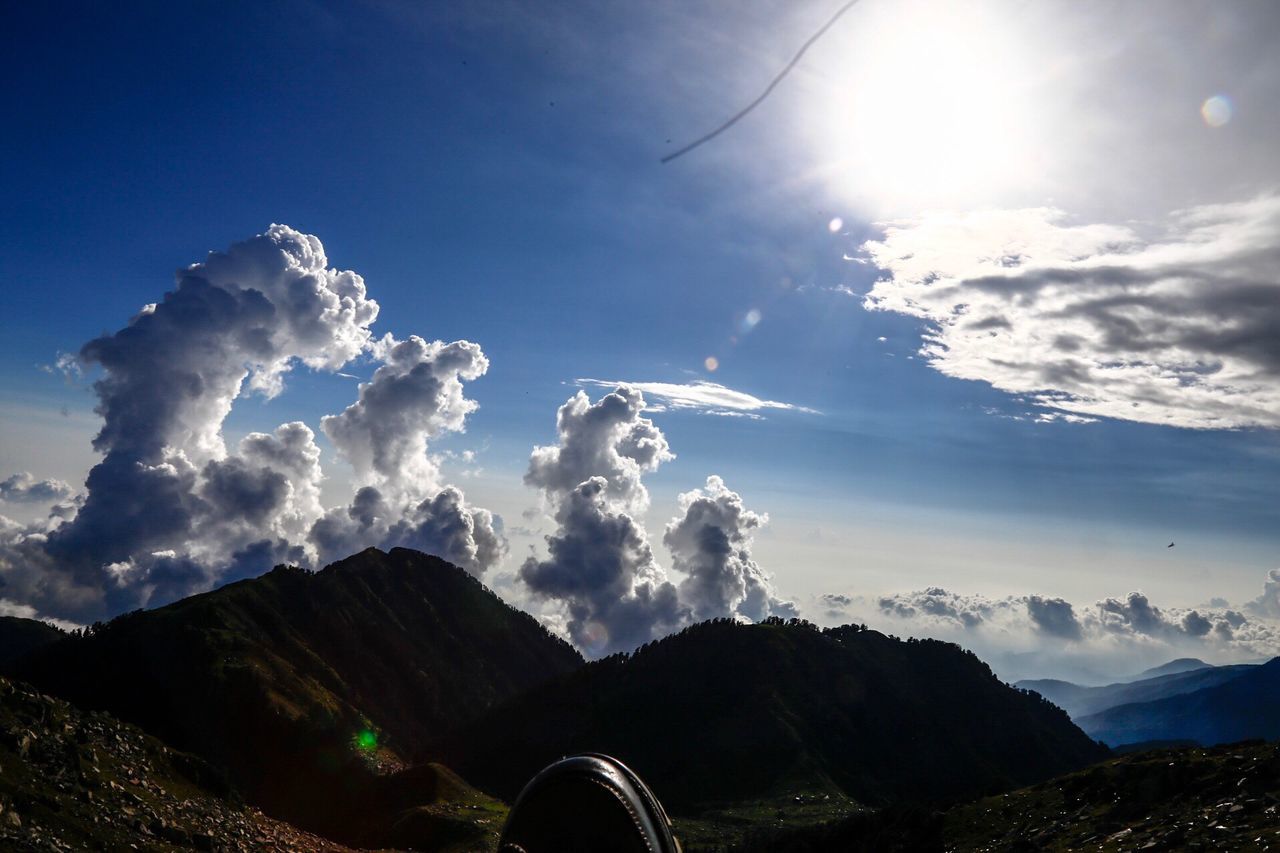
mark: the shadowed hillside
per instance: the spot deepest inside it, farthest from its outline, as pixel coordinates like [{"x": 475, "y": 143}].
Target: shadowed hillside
[
  {"x": 76, "y": 781},
  {"x": 724, "y": 712},
  {"x": 308, "y": 686},
  {"x": 1187, "y": 799},
  {"x": 20, "y": 637}
]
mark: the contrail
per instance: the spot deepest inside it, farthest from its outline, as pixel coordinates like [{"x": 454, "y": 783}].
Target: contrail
[{"x": 773, "y": 83}]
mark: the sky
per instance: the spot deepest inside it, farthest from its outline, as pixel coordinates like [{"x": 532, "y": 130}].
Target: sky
[{"x": 953, "y": 335}]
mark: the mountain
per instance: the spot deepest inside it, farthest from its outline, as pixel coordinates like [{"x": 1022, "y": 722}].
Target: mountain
[
  {"x": 725, "y": 712},
  {"x": 311, "y": 689},
  {"x": 77, "y": 781},
  {"x": 1079, "y": 701},
  {"x": 1173, "y": 667},
  {"x": 19, "y": 637},
  {"x": 1186, "y": 799},
  {"x": 1247, "y": 706}
]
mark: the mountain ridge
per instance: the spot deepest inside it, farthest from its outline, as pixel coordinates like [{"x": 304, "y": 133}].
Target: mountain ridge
[
  {"x": 1079, "y": 700},
  {"x": 1242, "y": 708},
  {"x": 19, "y": 637},
  {"x": 335, "y": 677},
  {"x": 842, "y": 710}
]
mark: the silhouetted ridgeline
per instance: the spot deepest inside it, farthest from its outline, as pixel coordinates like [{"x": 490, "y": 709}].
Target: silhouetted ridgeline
[
  {"x": 19, "y": 637},
  {"x": 723, "y": 711},
  {"x": 274, "y": 678}
]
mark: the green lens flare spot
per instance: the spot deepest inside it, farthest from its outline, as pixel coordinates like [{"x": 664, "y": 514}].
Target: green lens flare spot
[{"x": 366, "y": 739}]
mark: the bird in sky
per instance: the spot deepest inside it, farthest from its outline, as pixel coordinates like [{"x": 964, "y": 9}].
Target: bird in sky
[{"x": 1170, "y": 545}]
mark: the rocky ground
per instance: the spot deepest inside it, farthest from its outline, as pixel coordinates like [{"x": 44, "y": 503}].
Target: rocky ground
[
  {"x": 1221, "y": 798},
  {"x": 73, "y": 780}
]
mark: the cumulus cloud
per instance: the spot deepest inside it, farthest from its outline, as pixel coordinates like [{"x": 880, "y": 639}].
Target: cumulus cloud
[
  {"x": 609, "y": 439},
  {"x": 936, "y": 604},
  {"x": 600, "y": 565},
  {"x": 1267, "y": 604},
  {"x": 708, "y": 397},
  {"x": 1177, "y": 325},
  {"x": 414, "y": 396},
  {"x": 24, "y": 488},
  {"x": 169, "y": 510},
  {"x": 1054, "y": 617},
  {"x": 835, "y": 605},
  {"x": 710, "y": 543}
]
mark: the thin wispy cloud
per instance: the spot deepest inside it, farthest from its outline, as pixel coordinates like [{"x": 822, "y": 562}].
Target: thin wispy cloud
[{"x": 706, "y": 397}]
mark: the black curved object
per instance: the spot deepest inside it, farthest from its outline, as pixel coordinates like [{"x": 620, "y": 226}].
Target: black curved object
[{"x": 586, "y": 803}]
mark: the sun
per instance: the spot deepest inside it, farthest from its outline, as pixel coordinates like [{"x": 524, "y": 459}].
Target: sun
[{"x": 925, "y": 104}]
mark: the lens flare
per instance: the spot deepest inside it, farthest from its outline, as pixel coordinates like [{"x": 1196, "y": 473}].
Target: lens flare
[
  {"x": 366, "y": 740},
  {"x": 751, "y": 320},
  {"x": 711, "y": 364},
  {"x": 835, "y": 225},
  {"x": 1216, "y": 110}
]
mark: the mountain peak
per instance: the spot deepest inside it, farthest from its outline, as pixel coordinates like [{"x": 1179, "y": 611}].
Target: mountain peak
[
  {"x": 1173, "y": 667},
  {"x": 336, "y": 675}
]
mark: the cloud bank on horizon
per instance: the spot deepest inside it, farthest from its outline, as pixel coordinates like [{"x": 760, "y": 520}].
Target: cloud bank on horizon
[{"x": 1036, "y": 636}]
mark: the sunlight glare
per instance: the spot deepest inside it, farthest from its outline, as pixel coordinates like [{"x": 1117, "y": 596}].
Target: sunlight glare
[{"x": 925, "y": 106}]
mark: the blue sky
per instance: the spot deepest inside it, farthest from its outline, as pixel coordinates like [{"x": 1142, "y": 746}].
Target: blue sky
[{"x": 494, "y": 175}]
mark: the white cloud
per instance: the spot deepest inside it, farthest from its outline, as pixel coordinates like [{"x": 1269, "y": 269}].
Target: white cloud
[
  {"x": 24, "y": 488},
  {"x": 169, "y": 511},
  {"x": 700, "y": 395},
  {"x": 1034, "y": 636},
  {"x": 600, "y": 566},
  {"x": 1180, "y": 328},
  {"x": 710, "y": 543}
]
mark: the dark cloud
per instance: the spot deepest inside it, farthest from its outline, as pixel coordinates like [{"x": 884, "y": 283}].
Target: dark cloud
[
  {"x": 1054, "y": 617},
  {"x": 601, "y": 567}
]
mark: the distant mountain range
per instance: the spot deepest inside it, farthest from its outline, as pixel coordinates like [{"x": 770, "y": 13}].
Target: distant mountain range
[
  {"x": 1080, "y": 701},
  {"x": 310, "y": 688},
  {"x": 723, "y": 712},
  {"x": 1246, "y": 705}
]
